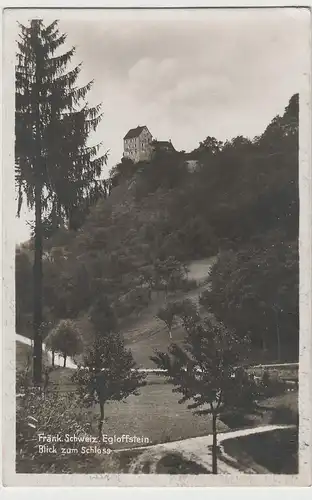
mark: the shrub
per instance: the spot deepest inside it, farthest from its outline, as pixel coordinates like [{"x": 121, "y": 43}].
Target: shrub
[
  {"x": 23, "y": 378},
  {"x": 37, "y": 414},
  {"x": 189, "y": 284},
  {"x": 271, "y": 386}
]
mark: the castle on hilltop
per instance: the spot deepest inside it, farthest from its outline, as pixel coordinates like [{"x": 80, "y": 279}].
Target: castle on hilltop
[{"x": 139, "y": 144}]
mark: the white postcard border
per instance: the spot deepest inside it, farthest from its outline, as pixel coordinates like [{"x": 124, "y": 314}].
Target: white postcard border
[{"x": 8, "y": 306}]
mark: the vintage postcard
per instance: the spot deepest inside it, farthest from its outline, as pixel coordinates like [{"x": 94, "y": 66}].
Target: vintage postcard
[{"x": 157, "y": 247}]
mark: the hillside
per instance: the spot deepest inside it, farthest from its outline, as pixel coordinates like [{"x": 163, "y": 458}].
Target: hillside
[
  {"x": 148, "y": 332},
  {"x": 138, "y": 245}
]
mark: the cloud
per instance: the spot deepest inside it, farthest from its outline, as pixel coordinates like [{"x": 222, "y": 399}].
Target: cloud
[{"x": 189, "y": 74}]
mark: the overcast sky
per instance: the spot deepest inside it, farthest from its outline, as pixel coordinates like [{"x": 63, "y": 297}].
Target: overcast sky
[{"x": 188, "y": 74}]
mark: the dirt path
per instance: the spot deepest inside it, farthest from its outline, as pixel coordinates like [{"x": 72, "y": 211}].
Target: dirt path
[
  {"x": 199, "y": 270},
  {"x": 197, "y": 450}
]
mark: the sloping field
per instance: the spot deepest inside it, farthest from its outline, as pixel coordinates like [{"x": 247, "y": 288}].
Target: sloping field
[
  {"x": 149, "y": 335},
  {"x": 147, "y": 332}
]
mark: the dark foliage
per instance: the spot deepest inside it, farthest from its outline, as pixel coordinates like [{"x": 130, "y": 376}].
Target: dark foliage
[
  {"x": 206, "y": 370},
  {"x": 55, "y": 170},
  {"x": 109, "y": 372},
  {"x": 241, "y": 204}
]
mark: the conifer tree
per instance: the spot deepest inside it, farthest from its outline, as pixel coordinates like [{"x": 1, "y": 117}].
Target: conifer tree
[{"x": 56, "y": 169}]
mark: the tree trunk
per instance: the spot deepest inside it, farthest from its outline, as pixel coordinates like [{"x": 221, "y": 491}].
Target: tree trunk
[
  {"x": 37, "y": 268},
  {"x": 214, "y": 444},
  {"x": 278, "y": 336},
  {"x": 170, "y": 333},
  {"x": 64, "y": 364},
  {"x": 53, "y": 358},
  {"x": 101, "y": 421},
  {"x": 46, "y": 381},
  {"x": 263, "y": 341}
]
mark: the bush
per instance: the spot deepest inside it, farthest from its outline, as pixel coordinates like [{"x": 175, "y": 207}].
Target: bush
[
  {"x": 53, "y": 414},
  {"x": 189, "y": 284},
  {"x": 271, "y": 386},
  {"x": 23, "y": 379}
]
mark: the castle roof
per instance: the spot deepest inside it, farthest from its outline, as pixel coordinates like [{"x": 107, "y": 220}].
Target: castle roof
[
  {"x": 164, "y": 145},
  {"x": 134, "y": 132}
]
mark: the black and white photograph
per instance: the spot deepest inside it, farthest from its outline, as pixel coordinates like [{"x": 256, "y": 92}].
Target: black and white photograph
[{"x": 154, "y": 223}]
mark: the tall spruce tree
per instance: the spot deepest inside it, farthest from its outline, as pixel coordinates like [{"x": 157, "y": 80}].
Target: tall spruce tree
[{"x": 56, "y": 169}]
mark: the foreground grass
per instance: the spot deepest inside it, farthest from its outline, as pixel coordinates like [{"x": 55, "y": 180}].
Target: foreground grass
[
  {"x": 276, "y": 451},
  {"x": 156, "y": 414}
]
